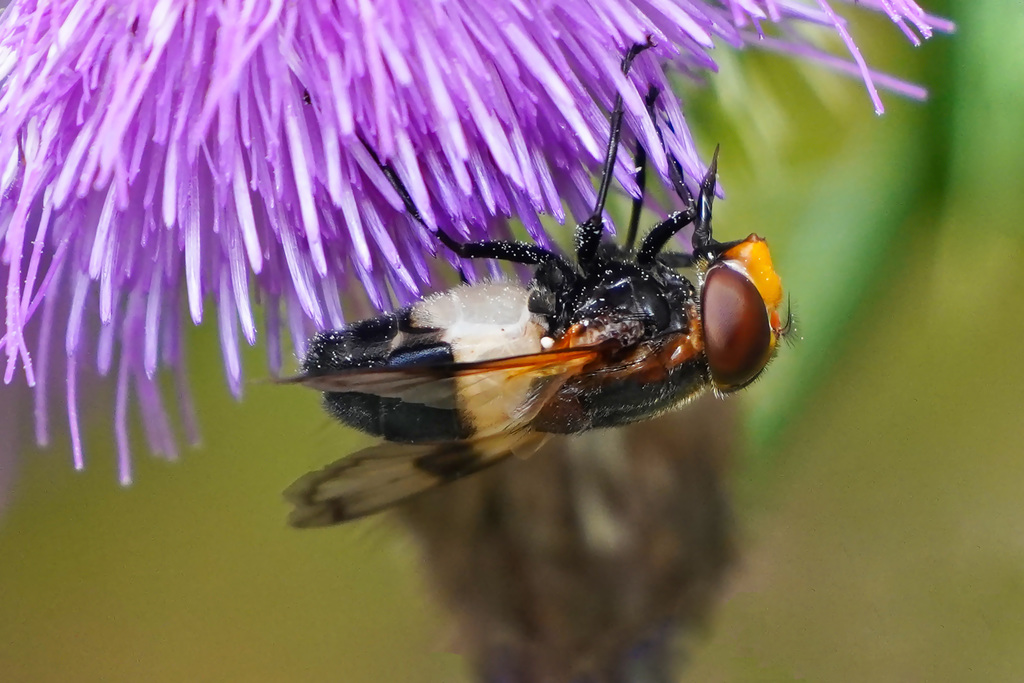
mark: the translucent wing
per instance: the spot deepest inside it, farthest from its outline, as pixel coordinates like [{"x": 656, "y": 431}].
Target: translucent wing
[
  {"x": 380, "y": 476},
  {"x": 438, "y": 385}
]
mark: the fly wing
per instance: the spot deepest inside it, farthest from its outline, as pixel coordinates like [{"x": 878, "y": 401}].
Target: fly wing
[
  {"x": 438, "y": 385},
  {"x": 380, "y": 476}
]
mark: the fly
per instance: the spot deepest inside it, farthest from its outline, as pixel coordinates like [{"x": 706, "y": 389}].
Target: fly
[{"x": 461, "y": 380}]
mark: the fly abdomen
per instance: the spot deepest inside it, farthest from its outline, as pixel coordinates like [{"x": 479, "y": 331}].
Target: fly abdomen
[
  {"x": 471, "y": 323},
  {"x": 590, "y": 402},
  {"x": 394, "y": 419},
  {"x": 628, "y": 401},
  {"x": 389, "y": 340}
]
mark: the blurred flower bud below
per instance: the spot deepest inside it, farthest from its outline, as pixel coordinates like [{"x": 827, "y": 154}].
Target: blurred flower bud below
[{"x": 590, "y": 560}]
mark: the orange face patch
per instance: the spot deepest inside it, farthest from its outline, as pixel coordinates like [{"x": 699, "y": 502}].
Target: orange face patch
[{"x": 753, "y": 254}]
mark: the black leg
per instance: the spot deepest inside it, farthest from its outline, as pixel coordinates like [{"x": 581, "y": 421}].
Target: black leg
[
  {"x": 675, "y": 169},
  {"x": 588, "y": 234},
  {"x": 698, "y": 213},
  {"x": 676, "y": 175},
  {"x": 641, "y": 175},
  {"x": 661, "y": 233},
  {"x": 677, "y": 259},
  {"x": 702, "y": 238},
  {"x": 638, "y": 202},
  {"x": 516, "y": 252}
]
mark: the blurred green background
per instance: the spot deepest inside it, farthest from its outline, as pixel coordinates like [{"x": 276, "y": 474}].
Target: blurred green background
[{"x": 879, "y": 492}]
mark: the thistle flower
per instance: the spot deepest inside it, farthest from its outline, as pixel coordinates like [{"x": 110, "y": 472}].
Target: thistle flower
[{"x": 159, "y": 158}]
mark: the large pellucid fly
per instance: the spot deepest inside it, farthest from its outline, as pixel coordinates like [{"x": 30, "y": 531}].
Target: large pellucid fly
[{"x": 463, "y": 379}]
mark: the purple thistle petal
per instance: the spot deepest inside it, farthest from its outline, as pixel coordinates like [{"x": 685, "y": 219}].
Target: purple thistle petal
[{"x": 163, "y": 155}]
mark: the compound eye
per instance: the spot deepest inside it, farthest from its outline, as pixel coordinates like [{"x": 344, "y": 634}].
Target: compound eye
[{"x": 737, "y": 336}]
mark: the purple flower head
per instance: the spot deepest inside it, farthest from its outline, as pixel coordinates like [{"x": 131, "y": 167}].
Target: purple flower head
[{"x": 162, "y": 158}]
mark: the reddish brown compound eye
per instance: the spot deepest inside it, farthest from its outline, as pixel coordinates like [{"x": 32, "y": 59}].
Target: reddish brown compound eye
[{"x": 737, "y": 336}]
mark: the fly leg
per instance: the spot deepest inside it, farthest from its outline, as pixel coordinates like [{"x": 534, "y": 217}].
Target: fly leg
[
  {"x": 589, "y": 232},
  {"x": 501, "y": 250},
  {"x": 697, "y": 212},
  {"x": 641, "y": 175}
]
